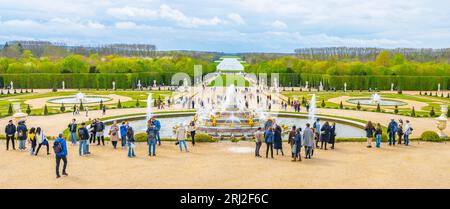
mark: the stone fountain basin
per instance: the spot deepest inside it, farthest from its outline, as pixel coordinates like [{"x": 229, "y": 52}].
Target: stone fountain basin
[{"x": 383, "y": 102}]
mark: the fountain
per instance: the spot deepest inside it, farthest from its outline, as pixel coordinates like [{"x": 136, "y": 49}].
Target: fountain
[
  {"x": 312, "y": 110},
  {"x": 376, "y": 99},
  {"x": 149, "y": 106},
  {"x": 79, "y": 98},
  {"x": 139, "y": 85}
]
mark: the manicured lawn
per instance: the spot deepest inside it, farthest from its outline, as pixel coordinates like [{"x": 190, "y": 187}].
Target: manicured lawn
[{"x": 237, "y": 80}]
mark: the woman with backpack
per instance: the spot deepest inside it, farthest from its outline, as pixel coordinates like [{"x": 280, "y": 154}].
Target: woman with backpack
[
  {"x": 400, "y": 132},
  {"x": 22, "y": 135},
  {"x": 297, "y": 146},
  {"x": 41, "y": 140},
  {"x": 32, "y": 140},
  {"x": 151, "y": 138},
  {"x": 114, "y": 134}
]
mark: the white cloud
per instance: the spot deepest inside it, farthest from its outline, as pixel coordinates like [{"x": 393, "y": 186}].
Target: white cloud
[
  {"x": 132, "y": 12},
  {"x": 125, "y": 25},
  {"x": 236, "y": 18},
  {"x": 278, "y": 24}
]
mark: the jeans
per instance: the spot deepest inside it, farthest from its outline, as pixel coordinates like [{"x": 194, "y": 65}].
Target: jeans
[
  {"x": 73, "y": 137},
  {"x": 193, "y": 137},
  {"x": 58, "y": 161},
  {"x": 40, "y": 145},
  {"x": 378, "y": 140},
  {"x": 82, "y": 146},
  {"x": 151, "y": 146},
  {"x": 124, "y": 141},
  {"x": 22, "y": 144},
  {"x": 406, "y": 138},
  {"x": 10, "y": 138},
  {"x": 392, "y": 138},
  {"x": 33, "y": 147},
  {"x": 158, "y": 137},
  {"x": 269, "y": 146},
  {"x": 182, "y": 142},
  {"x": 131, "y": 149},
  {"x": 258, "y": 147}
]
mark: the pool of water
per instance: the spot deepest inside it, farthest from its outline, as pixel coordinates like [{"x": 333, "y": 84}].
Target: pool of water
[
  {"x": 383, "y": 102},
  {"x": 342, "y": 130},
  {"x": 74, "y": 100}
]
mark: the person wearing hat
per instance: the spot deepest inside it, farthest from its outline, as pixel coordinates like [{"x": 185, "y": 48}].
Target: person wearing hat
[
  {"x": 10, "y": 132},
  {"x": 181, "y": 136}
]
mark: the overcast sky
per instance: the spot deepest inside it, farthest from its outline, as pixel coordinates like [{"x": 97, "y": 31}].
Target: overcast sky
[{"x": 231, "y": 25}]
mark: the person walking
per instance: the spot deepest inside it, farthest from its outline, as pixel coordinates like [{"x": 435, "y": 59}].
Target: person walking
[
  {"x": 103, "y": 109},
  {"x": 114, "y": 134},
  {"x": 370, "y": 130},
  {"x": 130, "y": 140},
  {"x": 32, "y": 140},
  {"x": 73, "y": 131},
  {"x": 192, "y": 130},
  {"x": 41, "y": 140},
  {"x": 277, "y": 141},
  {"x": 332, "y": 134},
  {"x": 10, "y": 132},
  {"x": 268, "y": 139},
  {"x": 22, "y": 135},
  {"x": 151, "y": 138},
  {"x": 325, "y": 135},
  {"x": 258, "y": 139},
  {"x": 123, "y": 134},
  {"x": 408, "y": 131},
  {"x": 60, "y": 149},
  {"x": 297, "y": 145},
  {"x": 308, "y": 141},
  {"x": 100, "y": 132},
  {"x": 392, "y": 130},
  {"x": 378, "y": 134},
  {"x": 291, "y": 136},
  {"x": 83, "y": 134},
  {"x": 181, "y": 136}
]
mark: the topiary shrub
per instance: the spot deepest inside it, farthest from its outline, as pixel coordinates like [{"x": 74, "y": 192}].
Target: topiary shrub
[
  {"x": 323, "y": 103},
  {"x": 358, "y": 106},
  {"x": 432, "y": 113},
  {"x": 101, "y": 104},
  {"x": 341, "y": 106},
  {"x": 119, "y": 105},
  {"x": 62, "y": 108},
  {"x": 28, "y": 110},
  {"x": 234, "y": 139},
  {"x": 10, "y": 109},
  {"x": 396, "y": 109},
  {"x": 378, "y": 107},
  {"x": 413, "y": 112},
  {"x": 45, "y": 110},
  {"x": 201, "y": 137},
  {"x": 137, "y": 103},
  {"x": 81, "y": 108},
  {"x": 430, "y": 136}
]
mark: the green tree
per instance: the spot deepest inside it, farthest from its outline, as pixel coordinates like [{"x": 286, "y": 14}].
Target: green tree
[
  {"x": 398, "y": 59},
  {"x": 358, "y": 106},
  {"x": 28, "y": 110},
  {"x": 62, "y": 108},
  {"x": 383, "y": 59},
  {"x": 396, "y": 109},
  {"x": 413, "y": 112},
  {"x": 119, "y": 105},
  {"x": 341, "y": 106},
  {"x": 378, "y": 107},
  {"x": 10, "y": 109},
  {"x": 137, "y": 103},
  {"x": 432, "y": 113},
  {"x": 323, "y": 103},
  {"x": 81, "y": 106},
  {"x": 45, "y": 110}
]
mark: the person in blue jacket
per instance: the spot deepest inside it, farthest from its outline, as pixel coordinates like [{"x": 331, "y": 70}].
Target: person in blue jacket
[
  {"x": 60, "y": 148},
  {"x": 123, "y": 134},
  {"x": 392, "y": 130},
  {"x": 157, "y": 125},
  {"x": 22, "y": 135},
  {"x": 268, "y": 139}
]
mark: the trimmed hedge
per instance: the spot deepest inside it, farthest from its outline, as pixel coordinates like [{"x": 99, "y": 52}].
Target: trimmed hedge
[{"x": 431, "y": 136}]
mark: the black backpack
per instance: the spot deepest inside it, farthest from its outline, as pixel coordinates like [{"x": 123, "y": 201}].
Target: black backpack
[{"x": 57, "y": 148}]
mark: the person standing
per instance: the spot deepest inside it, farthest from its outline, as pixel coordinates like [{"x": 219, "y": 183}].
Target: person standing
[
  {"x": 73, "y": 131},
  {"x": 408, "y": 131},
  {"x": 87, "y": 111},
  {"x": 22, "y": 131},
  {"x": 308, "y": 141},
  {"x": 268, "y": 139},
  {"x": 151, "y": 138},
  {"x": 291, "y": 136},
  {"x": 297, "y": 145},
  {"x": 83, "y": 134},
  {"x": 192, "y": 130},
  {"x": 103, "y": 109},
  {"x": 123, "y": 134},
  {"x": 93, "y": 131},
  {"x": 392, "y": 130},
  {"x": 325, "y": 135},
  {"x": 370, "y": 130},
  {"x": 60, "y": 149},
  {"x": 157, "y": 129},
  {"x": 332, "y": 134},
  {"x": 400, "y": 132},
  {"x": 181, "y": 136},
  {"x": 100, "y": 132},
  {"x": 317, "y": 129},
  {"x": 32, "y": 140},
  {"x": 258, "y": 139},
  {"x": 41, "y": 140},
  {"x": 378, "y": 134},
  {"x": 130, "y": 140},
  {"x": 10, "y": 132},
  {"x": 114, "y": 134},
  {"x": 277, "y": 141}
]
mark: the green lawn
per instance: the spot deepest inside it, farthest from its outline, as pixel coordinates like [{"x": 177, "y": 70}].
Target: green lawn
[{"x": 228, "y": 79}]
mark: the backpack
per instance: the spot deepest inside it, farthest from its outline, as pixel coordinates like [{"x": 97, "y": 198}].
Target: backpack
[{"x": 57, "y": 148}]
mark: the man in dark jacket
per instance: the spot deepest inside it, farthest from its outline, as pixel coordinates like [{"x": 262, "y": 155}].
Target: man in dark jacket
[
  {"x": 392, "y": 130},
  {"x": 22, "y": 134},
  {"x": 100, "y": 128},
  {"x": 73, "y": 130},
  {"x": 325, "y": 135},
  {"x": 10, "y": 131},
  {"x": 83, "y": 134}
]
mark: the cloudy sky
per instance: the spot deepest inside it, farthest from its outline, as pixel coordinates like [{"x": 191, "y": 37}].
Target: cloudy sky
[{"x": 230, "y": 25}]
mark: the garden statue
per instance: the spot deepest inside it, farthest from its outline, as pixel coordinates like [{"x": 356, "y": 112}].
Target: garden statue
[
  {"x": 439, "y": 87},
  {"x": 345, "y": 87},
  {"x": 63, "y": 85},
  {"x": 113, "y": 85},
  {"x": 441, "y": 121},
  {"x": 392, "y": 86},
  {"x": 12, "y": 85},
  {"x": 18, "y": 115}
]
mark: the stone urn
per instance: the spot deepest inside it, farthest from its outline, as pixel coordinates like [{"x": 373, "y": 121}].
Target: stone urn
[
  {"x": 18, "y": 115},
  {"x": 441, "y": 121}
]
